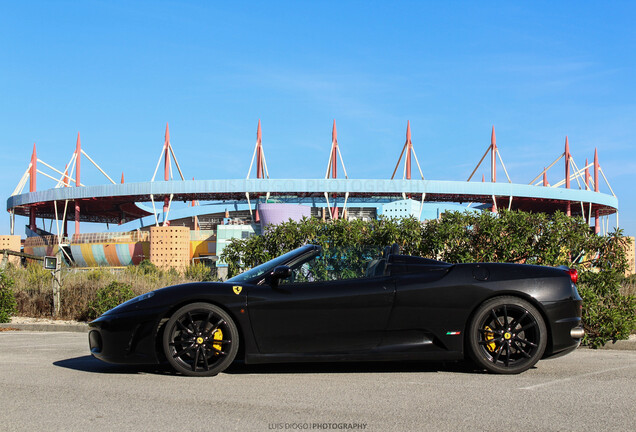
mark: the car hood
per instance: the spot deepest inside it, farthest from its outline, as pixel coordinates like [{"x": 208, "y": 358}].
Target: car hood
[{"x": 202, "y": 291}]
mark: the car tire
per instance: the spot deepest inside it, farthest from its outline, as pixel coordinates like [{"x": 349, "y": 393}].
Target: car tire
[
  {"x": 200, "y": 339},
  {"x": 507, "y": 335}
]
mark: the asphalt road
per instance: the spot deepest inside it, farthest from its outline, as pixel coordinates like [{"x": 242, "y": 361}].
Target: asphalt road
[{"x": 49, "y": 382}]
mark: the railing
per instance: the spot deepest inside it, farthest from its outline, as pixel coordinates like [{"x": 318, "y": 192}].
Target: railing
[
  {"x": 48, "y": 240},
  {"x": 203, "y": 235},
  {"x": 114, "y": 237}
]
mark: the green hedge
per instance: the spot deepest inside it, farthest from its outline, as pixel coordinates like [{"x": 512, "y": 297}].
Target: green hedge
[
  {"x": 7, "y": 298},
  {"x": 508, "y": 236},
  {"x": 108, "y": 297}
]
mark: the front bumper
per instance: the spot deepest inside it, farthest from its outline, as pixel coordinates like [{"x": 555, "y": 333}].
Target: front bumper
[{"x": 126, "y": 338}]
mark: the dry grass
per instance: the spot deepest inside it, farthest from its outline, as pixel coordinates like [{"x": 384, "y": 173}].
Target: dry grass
[
  {"x": 34, "y": 292},
  {"x": 628, "y": 286}
]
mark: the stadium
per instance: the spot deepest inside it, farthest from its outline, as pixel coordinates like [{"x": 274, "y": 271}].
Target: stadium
[{"x": 149, "y": 220}]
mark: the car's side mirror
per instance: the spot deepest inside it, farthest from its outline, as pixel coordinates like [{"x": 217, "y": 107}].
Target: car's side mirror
[{"x": 280, "y": 272}]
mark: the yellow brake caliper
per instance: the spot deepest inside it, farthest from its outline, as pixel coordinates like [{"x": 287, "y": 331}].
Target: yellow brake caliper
[
  {"x": 490, "y": 336},
  {"x": 218, "y": 335}
]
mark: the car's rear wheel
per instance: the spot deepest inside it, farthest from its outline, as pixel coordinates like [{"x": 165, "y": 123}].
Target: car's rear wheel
[
  {"x": 507, "y": 335},
  {"x": 200, "y": 339}
]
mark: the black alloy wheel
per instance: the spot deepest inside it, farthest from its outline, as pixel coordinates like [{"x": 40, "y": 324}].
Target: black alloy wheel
[
  {"x": 507, "y": 335},
  {"x": 200, "y": 339}
]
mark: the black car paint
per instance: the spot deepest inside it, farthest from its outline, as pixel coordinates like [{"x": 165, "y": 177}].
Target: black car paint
[
  {"x": 322, "y": 317},
  {"x": 134, "y": 330},
  {"x": 416, "y": 309}
]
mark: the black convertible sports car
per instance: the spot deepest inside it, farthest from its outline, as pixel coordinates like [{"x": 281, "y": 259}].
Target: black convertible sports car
[{"x": 326, "y": 305}]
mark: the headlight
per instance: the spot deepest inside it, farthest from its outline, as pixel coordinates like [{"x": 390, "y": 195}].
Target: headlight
[
  {"x": 143, "y": 297},
  {"x": 132, "y": 302}
]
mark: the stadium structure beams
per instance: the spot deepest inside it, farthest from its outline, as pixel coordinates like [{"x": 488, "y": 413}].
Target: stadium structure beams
[
  {"x": 116, "y": 202},
  {"x": 121, "y": 203},
  {"x": 332, "y": 170},
  {"x": 410, "y": 151}
]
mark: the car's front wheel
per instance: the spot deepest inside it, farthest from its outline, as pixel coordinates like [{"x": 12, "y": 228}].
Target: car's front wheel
[
  {"x": 200, "y": 339},
  {"x": 507, "y": 335}
]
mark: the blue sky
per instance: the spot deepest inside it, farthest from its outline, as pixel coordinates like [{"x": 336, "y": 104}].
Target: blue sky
[{"x": 118, "y": 71}]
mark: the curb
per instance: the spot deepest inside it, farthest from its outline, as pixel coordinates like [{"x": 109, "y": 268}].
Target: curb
[
  {"x": 76, "y": 328},
  {"x": 623, "y": 345}
]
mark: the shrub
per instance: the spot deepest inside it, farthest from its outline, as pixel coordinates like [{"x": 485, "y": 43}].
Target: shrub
[
  {"x": 147, "y": 268},
  {"x": 199, "y": 272},
  {"x": 108, "y": 297},
  {"x": 97, "y": 275},
  {"x": 7, "y": 298},
  {"x": 38, "y": 278},
  {"x": 79, "y": 288},
  {"x": 34, "y": 303},
  {"x": 608, "y": 317},
  {"x": 508, "y": 236},
  {"x": 609, "y": 313}
]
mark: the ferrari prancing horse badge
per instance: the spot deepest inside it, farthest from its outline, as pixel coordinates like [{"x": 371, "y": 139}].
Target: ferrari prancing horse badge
[{"x": 237, "y": 289}]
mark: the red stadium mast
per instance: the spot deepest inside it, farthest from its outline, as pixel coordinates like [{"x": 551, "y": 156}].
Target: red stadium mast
[
  {"x": 259, "y": 151},
  {"x": 410, "y": 153},
  {"x": 568, "y": 210},
  {"x": 334, "y": 165},
  {"x": 33, "y": 185},
  {"x": 332, "y": 171},
  {"x": 64, "y": 221},
  {"x": 166, "y": 153},
  {"x": 493, "y": 156},
  {"x": 166, "y": 167},
  {"x": 494, "y": 153},
  {"x": 259, "y": 155},
  {"x": 493, "y": 164},
  {"x": 261, "y": 167},
  {"x": 78, "y": 157},
  {"x": 597, "y": 228},
  {"x": 408, "y": 161}
]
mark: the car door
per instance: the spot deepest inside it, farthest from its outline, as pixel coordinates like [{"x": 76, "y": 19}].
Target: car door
[{"x": 321, "y": 316}]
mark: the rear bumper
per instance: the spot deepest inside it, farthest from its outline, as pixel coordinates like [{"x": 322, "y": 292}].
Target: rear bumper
[
  {"x": 564, "y": 325},
  {"x": 127, "y": 338}
]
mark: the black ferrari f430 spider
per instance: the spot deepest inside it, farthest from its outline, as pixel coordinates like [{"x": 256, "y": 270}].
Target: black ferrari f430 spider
[{"x": 316, "y": 305}]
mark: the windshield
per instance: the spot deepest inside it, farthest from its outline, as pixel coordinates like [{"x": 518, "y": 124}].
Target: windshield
[{"x": 269, "y": 265}]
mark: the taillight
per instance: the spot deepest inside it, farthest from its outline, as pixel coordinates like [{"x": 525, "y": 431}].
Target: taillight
[{"x": 574, "y": 275}]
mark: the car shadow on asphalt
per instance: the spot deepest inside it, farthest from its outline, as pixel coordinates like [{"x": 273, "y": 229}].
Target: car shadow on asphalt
[
  {"x": 353, "y": 367},
  {"x": 90, "y": 364}
]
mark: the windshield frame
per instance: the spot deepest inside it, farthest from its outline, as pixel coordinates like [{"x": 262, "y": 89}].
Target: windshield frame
[{"x": 264, "y": 269}]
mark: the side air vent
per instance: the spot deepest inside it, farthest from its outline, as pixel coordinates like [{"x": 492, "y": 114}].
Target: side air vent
[{"x": 481, "y": 273}]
